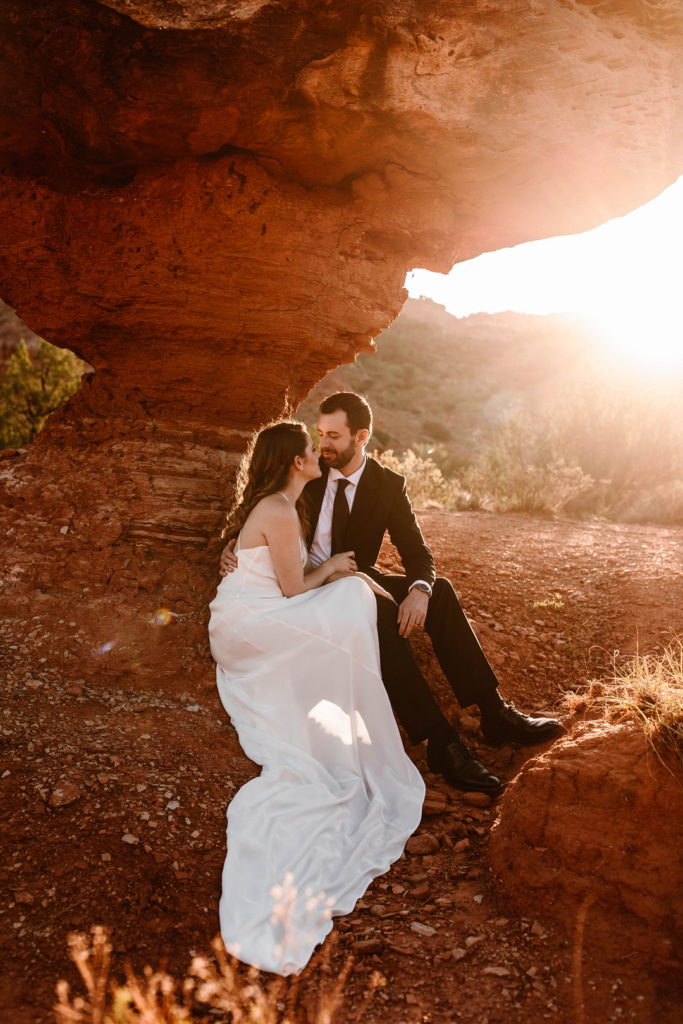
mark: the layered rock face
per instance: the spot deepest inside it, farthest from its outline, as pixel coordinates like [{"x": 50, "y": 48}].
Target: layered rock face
[
  {"x": 592, "y": 829},
  {"x": 215, "y": 202}
]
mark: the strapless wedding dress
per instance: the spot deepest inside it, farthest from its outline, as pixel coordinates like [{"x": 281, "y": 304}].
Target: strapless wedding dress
[{"x": 337, "y": 796}]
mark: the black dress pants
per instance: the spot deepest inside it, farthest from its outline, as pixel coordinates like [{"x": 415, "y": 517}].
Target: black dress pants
[{"x": 455, "y": 644}]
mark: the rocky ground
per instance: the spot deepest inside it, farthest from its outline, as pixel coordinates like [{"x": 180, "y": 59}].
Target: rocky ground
[{"x": 113, "y": 793}]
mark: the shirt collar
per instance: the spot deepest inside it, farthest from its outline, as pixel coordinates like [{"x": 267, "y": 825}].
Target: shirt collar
[{"x": 353, "y": 479}]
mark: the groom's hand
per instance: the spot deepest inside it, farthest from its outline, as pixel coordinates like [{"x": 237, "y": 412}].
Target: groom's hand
[
  {"x": 412, "y": 611},
  {"x": 228, "y": 559}
]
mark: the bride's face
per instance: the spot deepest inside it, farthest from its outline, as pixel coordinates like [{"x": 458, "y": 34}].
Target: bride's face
[{"x": 310, "y": 461}]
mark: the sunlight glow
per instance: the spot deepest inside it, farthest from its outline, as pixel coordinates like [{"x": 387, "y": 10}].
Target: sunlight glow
[{"x": 623, "y": 279}]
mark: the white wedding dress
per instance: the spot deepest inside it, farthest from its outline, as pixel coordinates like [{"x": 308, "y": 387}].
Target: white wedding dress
[{"x": 337, "y": 797}]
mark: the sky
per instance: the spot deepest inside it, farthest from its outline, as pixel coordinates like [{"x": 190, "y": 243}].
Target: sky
[{"x": 624, "y": 278}]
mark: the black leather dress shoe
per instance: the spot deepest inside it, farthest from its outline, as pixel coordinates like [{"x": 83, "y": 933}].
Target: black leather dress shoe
[
  {"x": 458, "y": 765},
  {"x": 508, "y": 725}
]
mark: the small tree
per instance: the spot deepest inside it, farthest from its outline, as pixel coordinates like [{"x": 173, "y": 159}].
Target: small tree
[{"x": 34, "y": 388}]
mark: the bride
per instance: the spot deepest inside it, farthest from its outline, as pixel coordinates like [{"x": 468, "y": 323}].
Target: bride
[{"x": 298, "y": 672}]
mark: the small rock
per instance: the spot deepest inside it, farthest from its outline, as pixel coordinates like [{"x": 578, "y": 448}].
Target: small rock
[
  {"x": 537, "y": 929},
  {"x": 63, "y": 794},
  {"x": 22, "y": 896},
  {"x": 458, "y": 953},
  {"x": 477, "y": 799},
  {"x": 397, "y": 890},
  {"x": 422, "y": 844},
  {"x": 478, "y": 898},
  {"x": 498, "y": 972},
  {"x": 377, "y": 909},
  {"x": 364, "y": 947},
  {"x": 435, "y": 803},
  {"x": 172, "y": 805},
  {"x": 34, "y": 684},
  {"x": 419, "y": 891},
  {"x": 474, "y": 940},
  {"x": 130, "y": 839},
  {"x": 106, "y": 857},
  {"x": 462, "y": 844},
  {"x": 425, "y": 930},
  {"x": 532, "y": 972},
  {"x": 469, "y": 724},
  {"x": 74, "y": 690}
]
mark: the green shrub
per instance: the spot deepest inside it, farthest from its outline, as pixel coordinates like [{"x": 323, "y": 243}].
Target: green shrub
[{"x": 33, "y": 388}]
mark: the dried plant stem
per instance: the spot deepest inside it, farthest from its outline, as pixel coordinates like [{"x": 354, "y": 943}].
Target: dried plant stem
[{"x": 577, "y": 957}]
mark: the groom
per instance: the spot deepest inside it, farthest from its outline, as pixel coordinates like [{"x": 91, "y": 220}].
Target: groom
[{"x": 351, "y": 507}]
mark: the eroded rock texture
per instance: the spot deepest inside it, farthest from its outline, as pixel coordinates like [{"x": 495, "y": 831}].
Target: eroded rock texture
[
  {"x": 215, "y": 202},
  {"x": 592, "y": 828}
]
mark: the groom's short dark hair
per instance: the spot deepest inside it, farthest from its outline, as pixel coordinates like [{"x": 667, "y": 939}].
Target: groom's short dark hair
[{"x": 358, "y": 411}]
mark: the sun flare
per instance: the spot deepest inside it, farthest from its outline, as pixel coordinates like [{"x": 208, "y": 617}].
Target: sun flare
[{"x": 622, "y": 279}]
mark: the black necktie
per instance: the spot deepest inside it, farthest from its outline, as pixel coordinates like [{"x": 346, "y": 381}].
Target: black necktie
[{"x": 340, "y": 517}]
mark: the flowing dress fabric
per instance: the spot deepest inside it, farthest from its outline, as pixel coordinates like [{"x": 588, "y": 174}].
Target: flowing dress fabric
[{"x": 337, "y": 796}]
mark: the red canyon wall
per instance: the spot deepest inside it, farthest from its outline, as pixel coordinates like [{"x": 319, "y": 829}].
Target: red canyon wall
[{"x": 215, "y": 202}]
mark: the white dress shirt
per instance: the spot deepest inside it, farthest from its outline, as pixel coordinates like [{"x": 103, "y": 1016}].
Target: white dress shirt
[{"x": 321, "y": 548}]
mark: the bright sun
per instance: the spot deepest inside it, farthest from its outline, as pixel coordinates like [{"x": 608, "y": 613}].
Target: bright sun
[{"x": 622, "y": 278}]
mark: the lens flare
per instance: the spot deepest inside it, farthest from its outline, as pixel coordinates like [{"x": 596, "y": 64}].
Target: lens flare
[
  {"x": 105, "y": 647},
  {"x": 162, "y": 617}
]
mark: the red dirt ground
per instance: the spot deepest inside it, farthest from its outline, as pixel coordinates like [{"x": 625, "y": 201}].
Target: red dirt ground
[{"x": 551, "y": 601}]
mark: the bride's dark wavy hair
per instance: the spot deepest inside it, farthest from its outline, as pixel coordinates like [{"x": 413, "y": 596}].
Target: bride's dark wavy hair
[{"x": 264, "y": 469}]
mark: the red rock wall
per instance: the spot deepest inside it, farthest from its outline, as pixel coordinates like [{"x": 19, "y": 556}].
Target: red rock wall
[{"x": 596, "y": 820}]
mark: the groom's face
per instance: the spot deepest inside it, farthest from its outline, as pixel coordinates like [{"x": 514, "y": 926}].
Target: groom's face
[{"x": 337, "y": 444}]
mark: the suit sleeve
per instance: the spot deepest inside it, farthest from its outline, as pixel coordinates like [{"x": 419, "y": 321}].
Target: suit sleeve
[{"x": 406, "y": 534}]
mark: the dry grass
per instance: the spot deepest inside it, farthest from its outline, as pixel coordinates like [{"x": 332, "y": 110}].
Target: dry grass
[
  {"x": 648, "y": 690},
  {"x": 223, "y": 984}
]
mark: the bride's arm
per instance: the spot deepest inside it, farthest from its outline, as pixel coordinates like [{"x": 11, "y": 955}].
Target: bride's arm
[{"x": 281, "y": 530}]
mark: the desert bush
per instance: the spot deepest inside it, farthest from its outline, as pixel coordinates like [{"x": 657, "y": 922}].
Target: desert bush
[
  {"x": 646, "y": 689},
  {"x": 221, "y": 985},
  {"x": 525, "y": 470},
  {"x": 33, "y": 388},
  {"x": 426, "y": 484}
]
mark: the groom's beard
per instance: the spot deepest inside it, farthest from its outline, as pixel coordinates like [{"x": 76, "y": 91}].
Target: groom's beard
[{"x": 337, "y": 460}]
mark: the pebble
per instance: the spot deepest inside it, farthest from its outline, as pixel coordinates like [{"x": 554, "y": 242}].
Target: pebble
[
  {"x": 469, "y": 724},
  {"x": 130, "y": 839},
  {"x": 365, "y": 947},
  {"x": 458, "y": 953},
  {"x": 473, "y": 940},
  {"x": 422, "y": 844},
  {"x": 63, "y": 794},
  {"x": 22, "y": 896},
  {"x": 498, "y": 972},
  {"x": 462, "y": 844},
  {"x": 425, "y": 930},
  {"x": 435, "y": 803},
  {"x": 74, "y": 690},
  {"x": 105, "y": 857},
  {"x": 419, "y": 891},
  {"x": 477, "y": 799},
  {"x": 34, "y": 684},
  {"x": 537, "y": 929}
]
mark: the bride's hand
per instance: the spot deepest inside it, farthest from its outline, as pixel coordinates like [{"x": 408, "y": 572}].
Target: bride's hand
[
  {"x": 375, "y": 587},
  {"x": 342, "y": 564}
]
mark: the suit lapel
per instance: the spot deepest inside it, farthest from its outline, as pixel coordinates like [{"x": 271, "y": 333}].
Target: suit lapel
[{"x": 363, "y": 504}]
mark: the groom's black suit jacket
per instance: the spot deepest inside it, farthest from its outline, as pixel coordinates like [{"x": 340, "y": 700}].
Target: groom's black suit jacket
[{"x": 381, "y": 503}]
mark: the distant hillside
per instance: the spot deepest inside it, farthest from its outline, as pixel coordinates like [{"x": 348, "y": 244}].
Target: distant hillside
[{"x": 439, "y": 379}]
